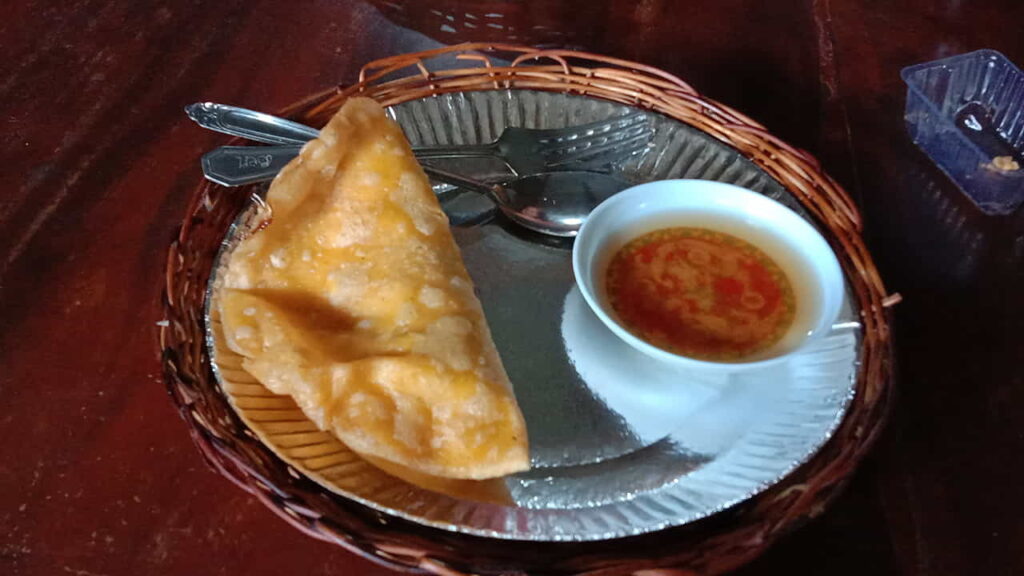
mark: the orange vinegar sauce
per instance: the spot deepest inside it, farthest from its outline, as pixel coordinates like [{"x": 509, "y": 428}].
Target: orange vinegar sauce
[{"x": 702, "y": 293}]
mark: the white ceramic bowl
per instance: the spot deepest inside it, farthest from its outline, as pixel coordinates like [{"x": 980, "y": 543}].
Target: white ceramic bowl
[{"x": 794, "y": 244}]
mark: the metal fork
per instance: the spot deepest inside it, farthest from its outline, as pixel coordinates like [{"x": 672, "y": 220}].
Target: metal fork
[{"x": 524, "y": 150}]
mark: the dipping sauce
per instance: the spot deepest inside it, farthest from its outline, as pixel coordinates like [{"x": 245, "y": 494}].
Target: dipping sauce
[{"x": 700, "y": 293}]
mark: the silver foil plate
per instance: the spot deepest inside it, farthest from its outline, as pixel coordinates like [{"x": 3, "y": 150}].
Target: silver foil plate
[{"x": 620, "y": 444}]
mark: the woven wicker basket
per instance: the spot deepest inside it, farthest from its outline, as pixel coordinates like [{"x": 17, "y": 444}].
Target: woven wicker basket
[{"x": 710, "y": 546}]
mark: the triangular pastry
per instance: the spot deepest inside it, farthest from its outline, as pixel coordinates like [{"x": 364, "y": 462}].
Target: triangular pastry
[{"x": 354, "y": 300}]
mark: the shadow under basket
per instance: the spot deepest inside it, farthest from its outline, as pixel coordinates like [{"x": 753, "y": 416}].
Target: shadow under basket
[{"x": 713, "y": 545}]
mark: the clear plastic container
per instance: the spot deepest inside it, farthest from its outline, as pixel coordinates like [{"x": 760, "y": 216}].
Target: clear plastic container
[{"x": 967, "y": 113}]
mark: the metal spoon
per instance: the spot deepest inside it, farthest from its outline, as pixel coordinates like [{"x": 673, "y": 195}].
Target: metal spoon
[{"x": 552, "y": 203}]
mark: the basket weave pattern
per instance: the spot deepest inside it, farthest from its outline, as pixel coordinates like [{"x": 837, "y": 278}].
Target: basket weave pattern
[{"x": 711, "y": 546}]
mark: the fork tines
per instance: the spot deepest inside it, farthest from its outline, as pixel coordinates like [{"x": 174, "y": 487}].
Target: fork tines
[{"x": 604, "y": 141}]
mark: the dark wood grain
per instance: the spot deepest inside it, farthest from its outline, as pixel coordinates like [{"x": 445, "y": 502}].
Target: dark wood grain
[{"x": 97, "y": 474}]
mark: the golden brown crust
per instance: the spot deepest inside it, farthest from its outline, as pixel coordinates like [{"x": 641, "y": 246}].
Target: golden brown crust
[{"x": 355, "y": 301}]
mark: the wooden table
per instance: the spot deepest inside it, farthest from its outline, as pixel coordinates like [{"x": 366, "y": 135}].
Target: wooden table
[{"x": 97, "y": 473}]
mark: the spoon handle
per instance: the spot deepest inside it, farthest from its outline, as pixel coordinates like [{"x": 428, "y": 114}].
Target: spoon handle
[
  {"x": 249, "y": 124},
  {"x": 492, "y": 191},
  {"x": 242, "y": 165}
]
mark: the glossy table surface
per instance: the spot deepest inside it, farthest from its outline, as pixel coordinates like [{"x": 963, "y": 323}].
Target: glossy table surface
[{"x": 97, "y": 473}]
